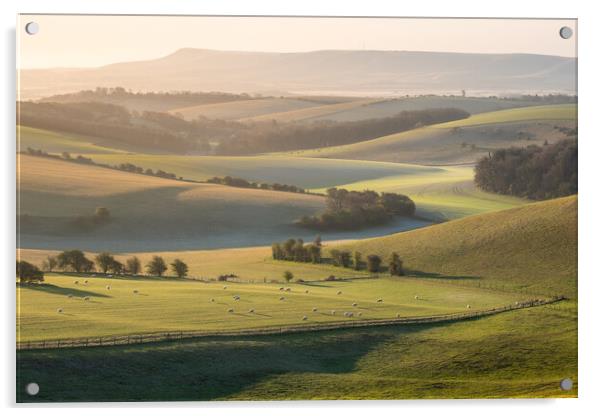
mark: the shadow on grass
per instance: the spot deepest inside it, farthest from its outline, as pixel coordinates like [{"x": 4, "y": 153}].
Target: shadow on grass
[
  {"x": 63, "y": 291},
  {"x": 432, "y": 275},
  {"x": 207, "y": 369}
]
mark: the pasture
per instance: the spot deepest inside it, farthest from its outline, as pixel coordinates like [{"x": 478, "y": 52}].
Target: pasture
[
  {"x": 58, "y": 142},
  {"x": 472, "y": 359},
  {"x": 170, "y": 304}
]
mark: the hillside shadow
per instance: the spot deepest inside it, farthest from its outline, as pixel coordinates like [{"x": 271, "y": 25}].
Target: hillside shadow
[
  {"x": 207, "y": 369},
  {"x": 433, "y": 275},
  {"x": 63, "y": 291}
]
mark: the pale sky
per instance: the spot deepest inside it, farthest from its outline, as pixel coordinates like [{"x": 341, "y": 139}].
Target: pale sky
[{"x": 88, "y": 41}]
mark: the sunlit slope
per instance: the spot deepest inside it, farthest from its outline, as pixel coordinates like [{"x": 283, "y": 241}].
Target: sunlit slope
[
  {"x": 388, "y": 108},
  {"x": 243, "y": 109},
  {"x": 446, "y": 193},
  {"x": 461, "y": 141},
  {"x": 147, "y": 212},
  {"x": 58, "y": 142},
  {"x": 534, "y": 247}
]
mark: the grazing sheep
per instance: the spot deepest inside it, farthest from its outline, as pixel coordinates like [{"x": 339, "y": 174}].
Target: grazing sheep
[
  {"x": 307, "y": 291},
  {"x": 516, "y": 303},
  {"x": 236, "y": 297},
  {"x": 333, "y": 312},
  {"x": 314, "y": 309},
  {"x": 251, "y": 310},
  {"x": 85, "y": 282},
  {"x": 467, "y": 306},
  {"x": 288, "y": 289},
  {"x": 399, "y": 315},
  {"x": 281, "y": 297},
  {"x": 415, "y": 296},
  {"x": 379, "y": 300},
  {"x": 108, "y": 287},
  {"x": 349, "y": 314},
  {"x": 225, "y": 287},
  {"x": 354, "y": 304},
  {"x": 339, "y": 293},
  {"x": 76, "y": 282},
  {"x": 135, "y": 291},
  {"x": 60, "y": 310},
  {"x": 305, "y": 318},
  {"x": 281, "y": 289},
  {"x": 359, "y": 314},
  {"x": 230, "y": 310},
  {"x": 212, "y": 300},
  {"x": 87, "y": 298}
]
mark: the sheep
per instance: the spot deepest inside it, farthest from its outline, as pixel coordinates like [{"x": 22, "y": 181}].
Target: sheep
[
  {"x": 416, "y": 297},
  {"x": 467, "y": 306},
  {"x": 135, "y": 291},
  {"x": 281, "y": 289},
  {"x": 236, "y": 297},
  {"x": 333, "y": 312},
  {"x": 379, "y": 300},
  {"x": 230, "y": 310},
  {"x": 281, "y": 297},
  {"x": 354, "y": 304},
  {"x": 359, "y": 314},
  {"x": 288, "y": 289},
  {"x": 60, "y": 310},
  {"x": 307, "y": 291},
  {"x": 85, "y": 282},
  {"x": 212, "y": 300},
  {"x": 251, "y": 310},
  {"x": 349, "y": 314},
  {"x": 108, "y": 287},
  {"x": 314, "y": 309},
  {"x": 76, "y": 282},
  {"x": 304, "y": 318},
  {"x": 339, "y": 293},
  {"x": 398, "y": 315},
  {"x": 87, "y": 298},
  {"x": 225, "y": 287}
]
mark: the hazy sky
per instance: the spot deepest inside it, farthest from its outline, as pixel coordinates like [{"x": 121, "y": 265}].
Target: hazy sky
[{"x": 85, "y": 41}]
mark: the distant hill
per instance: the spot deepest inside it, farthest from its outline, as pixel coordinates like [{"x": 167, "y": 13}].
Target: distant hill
[
  {"x": 331, "y": 71},
  {"x": 532, "y": 247}
]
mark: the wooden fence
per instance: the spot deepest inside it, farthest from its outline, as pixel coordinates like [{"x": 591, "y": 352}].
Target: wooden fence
[{"x": 178, "y": 335}]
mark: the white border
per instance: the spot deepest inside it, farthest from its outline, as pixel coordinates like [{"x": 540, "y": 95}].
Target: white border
[{"x": 590, "y": 93}]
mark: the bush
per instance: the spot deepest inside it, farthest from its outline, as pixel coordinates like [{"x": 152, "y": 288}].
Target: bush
[
  {"x": 288, "y": 275},
  {"x": 27, "y": 272},
  {"x": 156, "y": 266}
]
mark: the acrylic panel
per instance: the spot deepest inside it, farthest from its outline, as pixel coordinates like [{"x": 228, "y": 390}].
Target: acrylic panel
[{"x": 295, "y": 208}]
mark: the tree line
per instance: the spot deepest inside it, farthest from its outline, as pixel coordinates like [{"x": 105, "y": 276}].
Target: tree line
[
  {"x": 106, "y": 263},
  {"x": 348, "y": 210},
  {"x": 243, "y": 183},
  {"x": 297, "y": 251},
  {"x": 534, "y": 172}
]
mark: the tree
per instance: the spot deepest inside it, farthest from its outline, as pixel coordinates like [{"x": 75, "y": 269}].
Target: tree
[
  {"x": 395, "y": 265},
  {"x": 315, "y": 253},
  {"x": 156, "y": 266},
  {"x": 116, "y": 267},
  {"x": 374, "y": 262},
  {"x": 74, "y": 260},
  {"x": 288, "y": 248},
  {"x": 288, "y": 276},
  {"x": 133, "y": 265},
  {"x": 341, "y": 257},
  {"x": 104, "y": 261},
  {"x": 277, "y": 251},
  {"x": 50, "y": 263},
  {"x": 357, "y": 260},
  {"x": 27, "y": 272},
  {"x": 179, "y": 268}
]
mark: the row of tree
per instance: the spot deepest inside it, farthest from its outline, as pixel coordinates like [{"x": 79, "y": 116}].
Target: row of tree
[
  {"x": 243, "y": 183},
  {"x": 296, "y": 250},
  {"x": 356, "y": 209},
  {"x": 535, "y": 172},
  {"x": 76, "y": 261}
]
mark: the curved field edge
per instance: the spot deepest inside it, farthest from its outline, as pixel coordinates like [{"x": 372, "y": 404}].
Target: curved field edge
[{"x": 499, "y": 356}]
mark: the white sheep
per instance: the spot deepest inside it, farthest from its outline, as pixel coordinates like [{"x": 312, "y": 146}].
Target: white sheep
[
  {"x": 399, "y": 315},
  {"x": 288, "y": 289},
  {"x": 314, "y": 309},
  {"x": 354, "y": 304},
  {"x": 281, "y": 289},
  {"x": 281, "y": 297},
  {"x": 251, "y": 310},
  {"x": 236, "y": 297},
  {"x": 359, "y": 314},
  {"x": 339, "y": 293},
  {"x": 87, "y": 298},
  {"x": 379, "y": 300},
  {"x": 85, "y": 282},
  {"x": 333, "y": 312},
  {"x": 76, "y": 282},
  {"x": 467, "y": 306},
  {"x": 230, "y": 310},
  {"x": 305, "y": 318},
  {"x": 225, "y": 287},
  {"x": 108, "y": 287},
  {"x": 415, "y": 296},
  {"x": 60, "y": 310}
]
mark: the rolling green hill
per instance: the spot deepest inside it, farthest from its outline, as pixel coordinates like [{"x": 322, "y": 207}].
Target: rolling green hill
[
  {"x": 531, "y": 247},
  {"x": 461, "y": 141},
  {"x": 58, "y": 142}
]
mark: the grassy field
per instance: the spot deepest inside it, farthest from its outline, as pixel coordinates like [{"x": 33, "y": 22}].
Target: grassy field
[
  {"x": 312, "y": 112},
  {"x": 183, "y": 304},
  {"x": 55, "y": 142},
  {"x": 243, "y": 109},
  {"x": 54, "y": 193},
  {"x": 389, "y": 108},
  {"x": 461, "y": 141},
  {"x": 517, "y": 354}
]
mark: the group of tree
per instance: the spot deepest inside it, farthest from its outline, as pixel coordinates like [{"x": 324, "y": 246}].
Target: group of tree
[
  {"x": 270, "y": 137},
  {"x": 356, "y": 209},
  {"x": 101, "y": 216},
  {"x": 535, "y": 172},
  {"x": 76, "y": 261},
  {"x": 29, "y": 273},
  {"x": 295, "y": 250},
  {"x": 243, "y": 183},
  {"x": 344, "y": 258}
]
